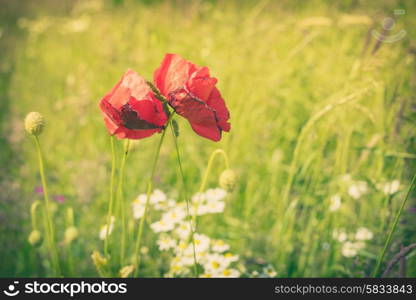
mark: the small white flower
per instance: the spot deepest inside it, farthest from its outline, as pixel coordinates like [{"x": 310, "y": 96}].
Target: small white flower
[
  {"x": 162, "y": 226},
  {"x": 166, "y": 243},
  {"x": 157, "y": 197},
  {"x": 363, "y": 234},
  {"x": 175, "y": 215},
  {"x": 335, "y": 203},
  {"x": 103, "y": 229},
  {"x": 201, "y": 242},
  {"x": 215, "y": 207},
  {"x": 165, "y": 205},
  {"x": 138, "y": 208},
  {"x": 219, "y": 246},
  {"x": 340, "y": 235},
  {"x": 389, "y": 188},
  {"x": 198, "y": 198},
  {"x": 215, "y": 194},
  {"x": 357, "y": 189},
  {"x": 229, "y": 257},
  {"x": 228, "y": 273},
  {"x": 183, "y": 230},
  {"x": 349, "y": 249},
  {"x": 215, "y": 263}
]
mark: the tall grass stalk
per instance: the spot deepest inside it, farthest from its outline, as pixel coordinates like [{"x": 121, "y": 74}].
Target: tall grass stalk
[
  {"x": 49, "y": 228},
  {"x": 392, "y": 229}
]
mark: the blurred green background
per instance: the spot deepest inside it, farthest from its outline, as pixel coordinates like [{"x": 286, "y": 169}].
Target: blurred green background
[{"x": 313, "y": 94}]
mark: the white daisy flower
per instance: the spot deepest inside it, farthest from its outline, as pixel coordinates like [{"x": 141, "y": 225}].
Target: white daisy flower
[
  {"x": 166, "y": 205},
  {"x": 157, "y": 197},
  {"x": 183, "y": 230},
  {"x": 166, "y": 243},
  {"x": 162, "y": 226},
  {"x": 175, "y": 215},
  {"x": 230, "y": 258},
  {"x": 138, "y": 209},
  {"x": 219, "y": 246},
  {"x": 215, "y": 263},
  {"x": 215, "y": 194},
  {"x": 228, "y": 273},
  {"x": 201, "y": 242}
]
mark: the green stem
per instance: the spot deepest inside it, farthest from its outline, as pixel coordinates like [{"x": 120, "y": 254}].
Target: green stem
[
  {"x": 178, "y": 156},
  {"x": 48, "y": 222},
  {"x": 120, "y": 200},
  {"x": 111, "y": 202},
  {"x": 205, "y": 178},
  {"x": 149, "y": 190},
  {"x": 393, "y": 228}
]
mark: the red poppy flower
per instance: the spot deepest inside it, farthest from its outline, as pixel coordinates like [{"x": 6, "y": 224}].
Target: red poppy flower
[
  {"x": 131, "y": 110},
  {"x": 192, "y": 93}
]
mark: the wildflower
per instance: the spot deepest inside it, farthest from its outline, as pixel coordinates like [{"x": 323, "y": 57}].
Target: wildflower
[
  {"x": 389, "y": 188},
  {"x": 183, "y": 230},
  {"x": 34, "y": 123},
  {"x": 201, "y": 242},
  {"x": 166, "y": 243},
  {"x": 340, "y": 235},
  {"x": 270, "y": 272},
  {"x": 219, "y": 246},
  {"x": 59, "y": 198},
  {"x": 175, "y": 215},
  {"x": 227, "y": 180},
  {"x": 230, "y": 257},
  {"x": 126, "y": 271},
  {"x": 349, "y": 249},
  {"x": 215, "y": 263},
  {"x": 71, "y": 233},
  {"x": 99, "y": 261},
  {"x": 35, "y": 238},
  {"x": 335, "y": 203},
  {"x": 131, "y": 110},
  {"x": 157, "y": 197},
  {"x": 138, "y": 208},
  {"x": 229, "y": 273},
  {"x": 215, "y": 194},
  {"x": 357, "y": 189},
  {"x": 363, "y": 234},
  {"x": 191, "y": 92},
  {"x": 103, "y": 230},
  {"x": 162, "y": 226}
]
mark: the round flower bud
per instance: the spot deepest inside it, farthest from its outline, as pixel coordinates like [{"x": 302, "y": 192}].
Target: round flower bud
[
  {"x": 71, "y": 233},
  {"x": 35, "y": 238},
  {"x": 34, "y": 123},
  {"x": 228, "y": 179}
]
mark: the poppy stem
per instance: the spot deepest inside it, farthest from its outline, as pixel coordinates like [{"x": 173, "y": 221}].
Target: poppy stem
[
  {"x": 393, "y": 228},
  {"x": 205, "y": 178},
  {"x": 185, "y": 189},
  {"x": 50, "y": 235},
  {"x": 120, "y": 199},
  {"x": 111, "y": 202},
  {"x": 148, "y": 193}
]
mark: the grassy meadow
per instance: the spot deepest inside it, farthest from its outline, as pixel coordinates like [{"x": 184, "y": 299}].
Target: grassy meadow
[{"x": 322, "y": 133}]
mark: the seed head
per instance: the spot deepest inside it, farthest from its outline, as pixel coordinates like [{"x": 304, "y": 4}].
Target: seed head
[{"x": 34, "y": 123}]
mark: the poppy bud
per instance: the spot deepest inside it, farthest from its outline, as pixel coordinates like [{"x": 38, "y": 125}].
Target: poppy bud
[
  {"x": 71, "y": 233},
  {"x": 228, "y": 179},
  {"x": 35, "y": 238},
  {"x": 126, "y": 271},
  {"x": 34, "y": 123}
]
